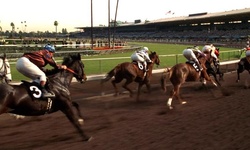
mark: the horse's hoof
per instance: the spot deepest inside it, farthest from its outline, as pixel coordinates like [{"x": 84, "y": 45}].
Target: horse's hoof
[
  {"x": 89, "y": 139},
  {"x": 81, "y": 121},
  {"x": 170, "y": 107},
  {"x": 184, "y": 102},
  {"x": 17, "y": 117}
]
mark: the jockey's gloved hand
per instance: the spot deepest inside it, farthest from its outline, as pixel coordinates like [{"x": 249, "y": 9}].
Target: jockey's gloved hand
[{"x": 62, "y": 67}]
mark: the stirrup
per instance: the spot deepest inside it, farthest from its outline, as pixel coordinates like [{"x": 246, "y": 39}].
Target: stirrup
[{"x": 48, "y": 95}]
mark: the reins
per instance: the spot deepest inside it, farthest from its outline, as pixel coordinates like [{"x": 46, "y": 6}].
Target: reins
[{"x": 72, "y": 71}]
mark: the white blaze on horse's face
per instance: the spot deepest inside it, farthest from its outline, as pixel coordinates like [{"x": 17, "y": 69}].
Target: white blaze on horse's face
[
  {"x": 5, "y": 68},
  {"x": 8, "y": 75}
]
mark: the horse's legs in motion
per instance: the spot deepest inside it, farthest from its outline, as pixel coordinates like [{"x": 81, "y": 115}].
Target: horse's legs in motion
[
  {"x": 139, "y": 89},
  {"x": 175, "y": 93},
  {"x": 67, "y": 110},
  {"x": 238, "y": 76},
  {"x": 80, "y": 119},
  {"x": 114, "y": 82},
  {"x": 125, "y": 86}
]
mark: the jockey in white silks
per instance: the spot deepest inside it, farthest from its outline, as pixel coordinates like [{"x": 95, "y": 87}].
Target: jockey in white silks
[
  {"x": 141, "y": 56},
  {"x": 190, "y": 56},
  {"x": 208, "y": 49},
  {"x": 212, "y": 49}
]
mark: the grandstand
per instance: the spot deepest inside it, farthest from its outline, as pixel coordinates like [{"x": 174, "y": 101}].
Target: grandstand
[{"x": 221, "y": 27}]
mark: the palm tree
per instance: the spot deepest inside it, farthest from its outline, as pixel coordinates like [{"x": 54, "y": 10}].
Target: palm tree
[
  {"x": 56, "y": 24},
  {"x": 12, "y": 26}
]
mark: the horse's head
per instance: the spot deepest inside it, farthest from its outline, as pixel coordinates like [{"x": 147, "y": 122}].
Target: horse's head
[
  {"x": 5, "y": 71},
  {"x": 243, "y": 64},
  {"x": 155, "y": 58},
  {"x": 75, "y": 65}
]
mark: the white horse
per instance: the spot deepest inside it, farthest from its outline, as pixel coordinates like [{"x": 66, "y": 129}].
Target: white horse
[{"x": 5, "y": 73}]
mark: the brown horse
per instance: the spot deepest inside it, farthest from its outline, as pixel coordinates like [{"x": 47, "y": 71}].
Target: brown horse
[
  {"x": 131, "y": 72},
  {"x": 182, "y": 72}
]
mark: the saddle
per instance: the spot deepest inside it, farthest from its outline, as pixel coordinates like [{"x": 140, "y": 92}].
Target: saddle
[{"x": 35, "y": 92}]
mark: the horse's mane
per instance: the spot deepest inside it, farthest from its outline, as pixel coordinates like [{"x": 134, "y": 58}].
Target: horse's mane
[{"x": 67, "y": 60}]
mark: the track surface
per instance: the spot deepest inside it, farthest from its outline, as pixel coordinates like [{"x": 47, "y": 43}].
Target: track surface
[{"x": 209, "y": 120}]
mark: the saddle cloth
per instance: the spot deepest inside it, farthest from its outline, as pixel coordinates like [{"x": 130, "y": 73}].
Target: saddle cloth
[
  {"x": 193, "y": 64},
  {"x": 34, "y": 90},
  {"x": 140, "y": 65}
]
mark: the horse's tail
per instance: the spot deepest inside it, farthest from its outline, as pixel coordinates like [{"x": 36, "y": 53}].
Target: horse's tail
[
  {"x": 110, "y": 74},
  {"x": 164, "y": 78}
]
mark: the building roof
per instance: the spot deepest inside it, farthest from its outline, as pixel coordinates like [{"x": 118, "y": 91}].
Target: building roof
[{"x": 233, "y": 14}]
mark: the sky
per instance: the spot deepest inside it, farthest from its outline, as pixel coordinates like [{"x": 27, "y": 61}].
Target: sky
[{"x": 39, "y": 15}]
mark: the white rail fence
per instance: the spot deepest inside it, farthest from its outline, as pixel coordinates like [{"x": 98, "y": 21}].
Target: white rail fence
[{"x": 101, "y": 76}]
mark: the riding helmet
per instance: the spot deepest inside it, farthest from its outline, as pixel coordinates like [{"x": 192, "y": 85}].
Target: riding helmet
[{"x": 50, "y": 48}]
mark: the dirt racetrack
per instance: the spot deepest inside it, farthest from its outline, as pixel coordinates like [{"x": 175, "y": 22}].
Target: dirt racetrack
[{"x": 209, "y": 120}]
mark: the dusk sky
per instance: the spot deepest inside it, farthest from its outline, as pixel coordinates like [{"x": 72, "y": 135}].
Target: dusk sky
[{"x": 40, "y": 15}]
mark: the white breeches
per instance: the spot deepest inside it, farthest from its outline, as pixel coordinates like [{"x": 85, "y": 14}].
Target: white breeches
[
  {"x": 136, "y": 57},
  {"x": 30, "y": 70},
  {"x": 189, "y": 55}
]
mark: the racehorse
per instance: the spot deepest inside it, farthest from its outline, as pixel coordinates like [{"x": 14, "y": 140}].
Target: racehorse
[
  {"x": 132, "y": 73},
  {"x": 182, "y": 72},
  {"x": 25, "y": 98},
  {"x": 213, "y": 67},
  {"x": 243, "y": 64},
  {"x": 5, "y": 72},
  {"x": 214, "y": 70}
]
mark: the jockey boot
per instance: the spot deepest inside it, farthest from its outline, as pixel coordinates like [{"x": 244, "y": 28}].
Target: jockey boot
[
  {"x": 199, "y": 66},
  {"x": 145, "y": 67},
  {"x": 46, "y": 94}
]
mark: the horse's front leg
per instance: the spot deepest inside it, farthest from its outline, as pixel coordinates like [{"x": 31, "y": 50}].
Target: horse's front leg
[
  {"x": 139, "y": 91},
  {"x": 238, "y": 76},
  {"x": 80, "y": 119},
  {"x": 68, "y": 111}
]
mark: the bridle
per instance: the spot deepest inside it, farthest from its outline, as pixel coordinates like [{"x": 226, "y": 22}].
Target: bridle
[
  {"x": 75, "y": 74},
  {"x": 4, "y": 67}
]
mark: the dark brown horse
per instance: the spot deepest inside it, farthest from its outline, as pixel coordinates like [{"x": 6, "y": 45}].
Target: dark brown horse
[
  {"x": 243, "y": 65},
  {"x": 25, "y": 98},
  {"x": 131, "y": 72},
  {"x": 181, "y": 73}
]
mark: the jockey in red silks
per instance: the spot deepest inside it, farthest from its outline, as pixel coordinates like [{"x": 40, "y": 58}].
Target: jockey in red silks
[{"x": 32, "y": 66}]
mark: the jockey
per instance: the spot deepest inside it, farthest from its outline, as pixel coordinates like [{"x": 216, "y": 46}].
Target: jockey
[
  {"x": 31, "y": 65},
  {"x": 190, "y": 56},
  {"x": 141, "y": 56},
  {"x": 212, "y": 49},
  {"x": 247, "y": 53},
  {"x": 208, "y": 49},
  {"x": 217, "y": 52},
  {"x": 247, "y": 49}
]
